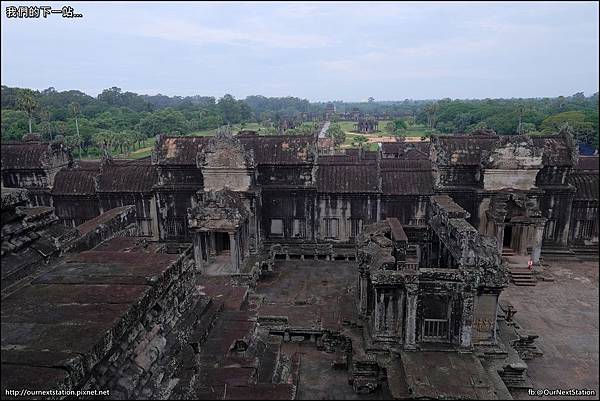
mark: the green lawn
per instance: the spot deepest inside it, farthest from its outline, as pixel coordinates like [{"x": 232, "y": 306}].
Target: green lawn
[
  {"x": 144, "y": 150},
  {"x": 414, "y": 130},
  {"x": 234, "y": 128}
]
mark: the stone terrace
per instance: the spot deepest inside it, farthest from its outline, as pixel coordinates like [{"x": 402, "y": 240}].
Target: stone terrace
[
  {"x": 58, "y": 326},
  {"x": 564, "y": 313}
]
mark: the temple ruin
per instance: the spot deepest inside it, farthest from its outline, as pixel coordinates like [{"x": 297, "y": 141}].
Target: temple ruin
[{"x": 253, "y": 267}]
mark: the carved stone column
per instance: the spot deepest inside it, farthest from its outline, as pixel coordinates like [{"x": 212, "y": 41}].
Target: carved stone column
[
  {"x": 363, "y": 293},
  {"x": 466, "y": 320},
  {"x": 524, "y": 239},
  {"x": 198, "y": 251},
  {"x": 400, "y": 315},
  {"x": 390, "y": 322},
  {"x": 412, "y": 291},
  {"x": 537, "y": 244},
  {"x": 500, "y": 237},
  {"x": 234, "y": 252},
  {"x": 213, "y": 244}
]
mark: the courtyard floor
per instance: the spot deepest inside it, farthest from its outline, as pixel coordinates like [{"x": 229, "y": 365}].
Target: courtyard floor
[{"x": 564, "y": 313}]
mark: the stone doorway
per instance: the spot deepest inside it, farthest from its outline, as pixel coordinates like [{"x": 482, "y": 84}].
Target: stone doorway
[
  {"x": 507, "y": 240},
  {"x": 222, "y": 243}
]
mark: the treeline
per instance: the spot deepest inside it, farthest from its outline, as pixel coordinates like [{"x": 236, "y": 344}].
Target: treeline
[
  {"x": 129, "y": 118},
  {"x": 114, "y": 118},
  {"x": 509, "y": 116}
]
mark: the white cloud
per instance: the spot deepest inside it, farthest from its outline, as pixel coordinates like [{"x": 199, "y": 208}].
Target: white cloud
[
  {"x": 241, "y": 35},
  {"x": 427, "y": 60}
]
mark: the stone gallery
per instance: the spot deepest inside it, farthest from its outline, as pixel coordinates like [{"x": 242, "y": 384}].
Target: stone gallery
[{"x": 240, "y": 266}]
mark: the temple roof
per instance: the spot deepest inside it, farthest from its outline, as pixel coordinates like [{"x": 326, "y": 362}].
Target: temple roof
[
  {"x": 180, "y": 150},
  {"x": 30, "y": 155},
  {"x": 558, "y": 151},
  {"x": 114, "y": 176},
  {"x": 407, "y": 150},
  {"x": 275, "y": 149},
  {"x": 75, "y": 182},
  {"x": 127, "y": 176},
  {"x": 464, "y": 149},
  {"x": 587, "y": 163},
  {"x": 406, "y": 177},
  {"x": 357, "y": 178},
  {"x": 280, "y": 149},
  {"x": 407, "y": 182},
  {"x": 469, "y": 150},
  {"x": 586, "y": 184}
]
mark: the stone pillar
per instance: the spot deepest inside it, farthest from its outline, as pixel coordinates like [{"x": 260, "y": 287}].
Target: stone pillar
[
  {"x": 198, "y": 250},
  {"x": 500, "y": 236},
  {"x": 246, "y": 239},
  {"x": 239, "y": 250},
  {"x": 363, "y": 294},
  {"x": 411, "y": 316},
  {"x": 523, "y": 240},
  {"x": 466, "y": 320},
  {"x": 389, "y": 314},
  {"x": 234, "y": 252},
  {"x": 154, "y": 217},
  {"x": 213, "y": 244},
  {"x": 537, "y": 244},
  {"x": 375, "y": 309},
  {"x": 400, "y": 315},
  {"x": 564, "y": 236}
]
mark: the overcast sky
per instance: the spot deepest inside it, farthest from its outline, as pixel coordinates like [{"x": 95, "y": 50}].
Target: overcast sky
[{"x": 318, "y": 51}]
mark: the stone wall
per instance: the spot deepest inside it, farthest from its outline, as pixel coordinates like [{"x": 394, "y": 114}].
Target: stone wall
[
  {"x": 120, "y": 220},
  {"x": 143, "y": 360}
]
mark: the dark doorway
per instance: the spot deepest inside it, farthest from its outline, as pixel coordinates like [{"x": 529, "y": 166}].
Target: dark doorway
[
  {"x": 222, "y": 243},
  {"x": 506, "y": 242}
]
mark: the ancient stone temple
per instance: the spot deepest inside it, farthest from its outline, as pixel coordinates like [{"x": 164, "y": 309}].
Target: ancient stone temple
[
  {"x": 241, "y": 266},
  {"x": 33, "y": 164},
  {"x": 366, "y": 125},
  {"x": 446, "y": 292},
  {"x": 530, "y": 193}
]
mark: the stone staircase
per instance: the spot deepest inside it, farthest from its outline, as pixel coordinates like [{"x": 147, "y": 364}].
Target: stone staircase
[
  {"x": 522, "y": 276},
  {"x": 508, "y": 252}
]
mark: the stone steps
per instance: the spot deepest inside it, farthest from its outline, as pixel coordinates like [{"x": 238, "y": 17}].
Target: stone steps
[{"x": 522, "y": 277}]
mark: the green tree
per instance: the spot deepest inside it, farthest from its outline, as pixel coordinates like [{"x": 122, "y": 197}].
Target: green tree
[
  {"x": 60, "y": 127},
  {"x": 390, "y": 127},
  {"x": 229, "y": 109},
  {"x": 14, "y": 124},
  {"x": 396, "y": 127},
  {"x": 336, "y": 133},
  {"x": 521, "y": 108},
  {"x": 583, "y": 129},
  {"x": 431, "y": 110},
  {"x": 164, "y": 121},
  {"x": 46, "y": 127},
  {"x": 75, "y": 110},
  {"x": 73, "y": 141},
  {"x": 360, "y": 141},
  {"x": 27, "y": 102}
]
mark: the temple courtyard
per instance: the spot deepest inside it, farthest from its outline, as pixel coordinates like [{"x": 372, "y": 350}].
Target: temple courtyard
[{"x": 564, "y": 313}]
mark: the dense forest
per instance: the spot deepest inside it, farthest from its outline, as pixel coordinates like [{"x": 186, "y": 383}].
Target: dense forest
[{"x": 124, "y": 119}]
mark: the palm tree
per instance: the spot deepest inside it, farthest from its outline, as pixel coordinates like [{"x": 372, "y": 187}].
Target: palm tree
[
  {"x": 76, "y": 109},
  {"x": 431, "y": 111},
  {"x": 45, "y": 118},
  {"x": 520, "y": 111},
  {"x": 28, "y": 104},
  {"x": 61, "y": 127}
]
